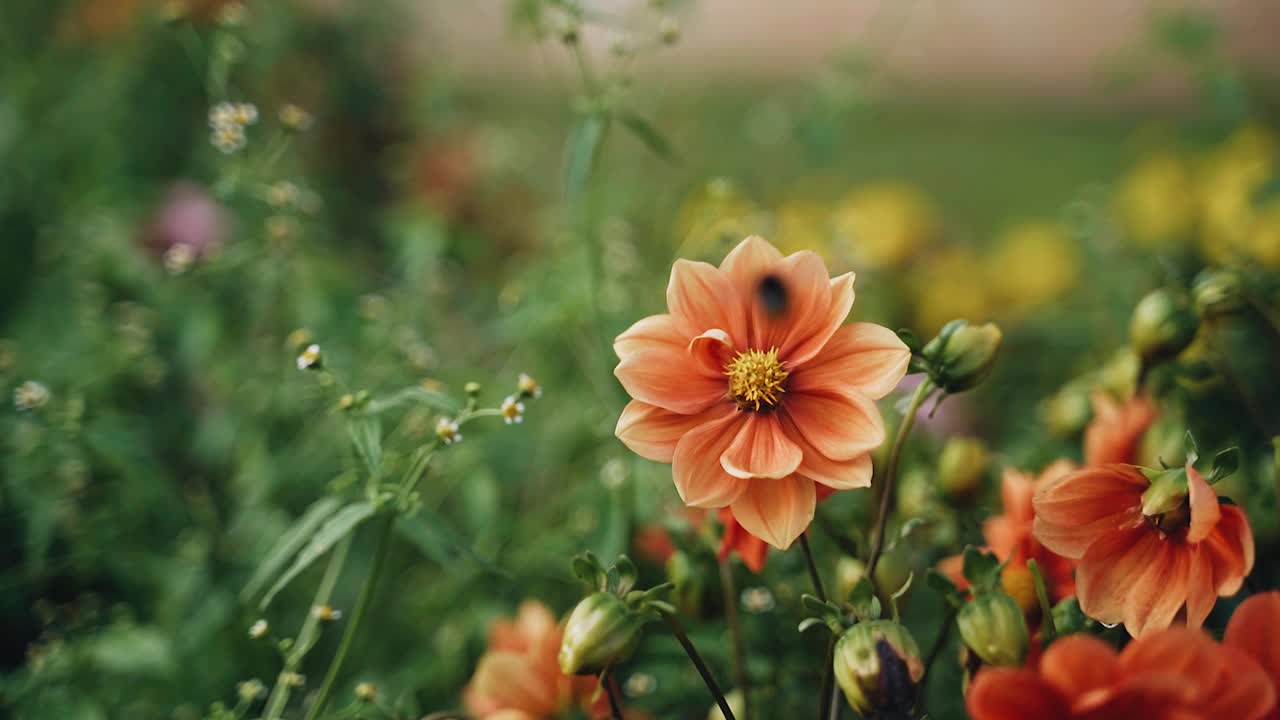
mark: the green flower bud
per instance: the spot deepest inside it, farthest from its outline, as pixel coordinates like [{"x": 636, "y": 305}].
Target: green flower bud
[
  {"x": 962, "y": 467},
  {"x": 848, "y": 572},
  {"x": 1162, "y": 325},
  {"x": 962, "y": 355},
  {"x": 1217, "y": 292},
  {"x": 878, "y": 665},
  {"x": 1067, "y": 411},
  {"x": 1165, "y": 502},
  {"x": 1068, "y": 618},
  {"x": 992, "y": 626},
  {"x": 601, "y": 631},
  {"x": 683, "y": 573}
]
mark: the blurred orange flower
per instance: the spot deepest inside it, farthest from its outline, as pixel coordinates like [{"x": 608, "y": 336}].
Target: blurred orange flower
[
  {"x": 1115, "y": 433},
  {"x": 750, "y": 548},
  {"x": 1143, "y": 570},
  {"x": 1173, "y": 674},
  {"x": 1255, "y": 630},
  {"x": 1010, "y": 537},
  {"x": 753, "y": 391},
  {"x": 518, "y": 677}
]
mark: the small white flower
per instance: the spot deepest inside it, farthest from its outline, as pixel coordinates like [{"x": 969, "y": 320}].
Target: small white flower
[
  {"x": 640, "y": 684},
  {"x": 310, "y": 358},
  {"x": 295, "y": 118},
  {"x": 178, "y": 259},
  {"x": 30, "y": 395},
  {"x": 293, "y": 679},
  {"x": 228, "y": 139},
  {"x": 251, "y": 689},
  {"x": 758, "y": 599},
  {"x": 512, "y": 410},
  {"x": 282, "y": 194},
  {"x": 528, "y": 387},
  {"x": 259, "y": 630},
  {"x": 245, "y": 114},
  {"x": 222, "y": 115},
  {"x": 614, "y": 473},
  {"x": 326, "y": 613},
  {"x": 447, "y": 431},
  {"x": 366, "y": 692}
]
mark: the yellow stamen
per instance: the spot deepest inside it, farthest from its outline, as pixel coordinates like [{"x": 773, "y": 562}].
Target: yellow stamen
[{"x": 755, "y": 379}]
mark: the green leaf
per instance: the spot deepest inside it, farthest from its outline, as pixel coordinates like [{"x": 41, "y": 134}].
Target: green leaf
[
  {"x": 628, "y": 573},
  {"x": 581, "y": 151},
  {"x": 981, "y": 568},
  {"x": 863, "y": 600},
  {"x": 289, "y": 544},
  {"x": 431, "y": 398},
  {"x": 134, "y": 650},
  {"x": 366, "y": 433},
  {"x": 942, "y": 585},
  {"x": 810, "y": 622},
  {"x": 910, "y": 339},
  {"x": 587, "y": 568},
  {"x": 649, "y": 135},
  {"x": 1193, "y": 451},
  {"x": 1225, "y": 464},
  {"x": 441, "y": 543},
  {"x": 341, "y": 524}
]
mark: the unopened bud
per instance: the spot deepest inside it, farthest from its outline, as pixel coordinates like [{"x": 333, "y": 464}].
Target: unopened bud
[
  {"x": 600, "y": 632},
  {"x": 1217, "y": 292},
  {"x": 366, "y": 692},
  {"x": 993, "y": 627},
  {"x": 259, "y": 630},
  {"x": 962, "y": 466},
  {"x": 1165, "y": 502},
  {"x": 962, "y": 355},
  {"x": 849, "y": 571},
  {"x": 1067, "y": 411},
  {"x": 569, "y": 32},
  {"x": 877, "y": 665},
  {"x": 1018, "y": 583},
  {"x": 669, "y": 30},
  {"x": 1162, "y": 325}
]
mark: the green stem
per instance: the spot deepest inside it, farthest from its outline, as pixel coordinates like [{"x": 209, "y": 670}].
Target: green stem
[
  {"x": 608, "y": 681},
  {"x": 938, "y": 644},
  {"x": 813, "y": 567},
  {"x": 890, "y": 475},
  {"x": 739, "y": 641},
  {"x": 310, "y": 631},
  {"x": 678, "y": 630},
  {"x": 357, "y": 616},
  {"x": 1047, "y": 629}
]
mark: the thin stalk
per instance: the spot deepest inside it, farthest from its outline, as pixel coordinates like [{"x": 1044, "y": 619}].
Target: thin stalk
[
  {"x": 739, "y": 640},
  {"x": 827, "y": 694},
  {"x": 1047, "y": 629},
  {"x": 936, "y": 650},
  {"x": 813, "y": 568},
  {"x": 357, "y": 616},
  {"x": 678, "y": 630},
  {"x": 610, "y": 690},
  {"x": 923, "y": 391},
  {"x": 310, "y": 631}
]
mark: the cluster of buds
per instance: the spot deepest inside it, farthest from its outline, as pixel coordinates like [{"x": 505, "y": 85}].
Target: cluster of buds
[
  {"x": 228, "y": 122},
  {"x": 1163, "y": 324},
  {"x": 992, "y": 624},
  {"x": 605, "y": 627},
  {"x": 294, "y": 119},
  {"x": 30, "y": 395}
]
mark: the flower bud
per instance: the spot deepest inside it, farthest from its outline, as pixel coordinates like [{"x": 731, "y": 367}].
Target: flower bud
[
  {"x": 1217, "y": 292},
  {"x": 1067, "y": 411},
  {"x": 1162, "y": 325},
  {"x": 962, "y": 467},
  {"x": 601, "y": 631},
  {"x": 992, "y": 626},
  {"x": 877, "y": 665},
  {"x": 737, "y": 703},
  {"x": 849, "y": 571},
  {"x": 962, "y": 355},
  {"x": 683, "y": 573}
]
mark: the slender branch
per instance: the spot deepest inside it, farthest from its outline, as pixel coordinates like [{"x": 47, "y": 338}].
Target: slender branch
[
  {"x": 609, "y": 683},
  {"x": 678, "y": 630},
  {"x": 739, "y": 640},
  {"x": 828, "y": 695},
  {"x": 813, "y": 567},
  {"x": 939, "y": 643},
  {"x": 357, "y": 616},
  {"x": 1047, "y": 629},
  {"x": 923, "y": 391}
]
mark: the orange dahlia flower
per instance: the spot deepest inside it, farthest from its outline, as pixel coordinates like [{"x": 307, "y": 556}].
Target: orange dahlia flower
[
  {"x": 1174, "y": 674},
  {"x": 1255, "y": 630},
  {"x": 753, "y": 391},
  {"x": 1139, "y": 564},
  {"x": 518, "y": 678},
  {"x": 1010, "y": 535},
  {"x": 1115, "y": 433}
]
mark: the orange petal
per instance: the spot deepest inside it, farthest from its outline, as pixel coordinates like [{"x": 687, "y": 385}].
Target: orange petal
[
  {"x": 1151, "y": 696},
  {"x": 806, "y": 296},
  {"x": 761, "y": 450},
  {"x": 666, "y": 376},
  {"x": 652, "y": 432},
  {"x": 695, "y": 466},
  {"x": 1074, "y": 510},
  {"x": 711, "y": 352},
  {"x": 811, "y": 333},
  {"x": 1242, "y": 688},
  {"x": 1116, "y": 430},
  {"x": 776, "y": 511},
  {"x": 747, "y": 263},
  {"x": 1200, "y": 590},
  {"x": 863, "y": 357},
  {"x": 1008, "y": 694},
  {"x": 1016, "y": 490},
  {"x": 750, "y": 548},
  {"x": 1204, "y": 506},
  {"x": 1077, "y": 664},
  {"x": 1102, "y": 581},
  {"x": 1005, "y": 536},
  {"x": 1255, "y": 630},
  {"x": 952, "y": 568},
  {"x": 700, "y": 298},
  {"x": 1230, "y": 549},
  {"x": 655, "y": 330},
  {"x": 831, "y": 474},
  {"x": 841, "y": 426},
  {"x": 505, "y": 678},
  {"x": 1159, "y": 590}
]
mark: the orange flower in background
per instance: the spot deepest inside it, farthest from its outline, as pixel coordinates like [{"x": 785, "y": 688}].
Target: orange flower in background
[
  {"x": 753, "y": 391},
  {"x": 1144, "y": 570},
  {"x": 1010, "y": 535},
  {"x": 750, "y": 548},
  {"x": 1255, "y": 630},
  {"x": 1115, "y": 433},
  {"x": 519, "y": 677},
  {"x": 1174, "y": 674}
]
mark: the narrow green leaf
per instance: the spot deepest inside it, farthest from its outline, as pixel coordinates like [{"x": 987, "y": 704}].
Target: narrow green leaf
[
  {"x": 863, "y": 600},
  {"x": 289, "y": 544},
  {"x": 441, "y": 543},
  {"x": 1225, "y": 464},
  {"x": 431, "y": 398},
  {"x": 981, "y": 568},
  {"x": 581, "y": 150},
  {"x": 649, "y": 135},
  {"x": 366, "y": 433},
  {"x": 341, "y": 524}
]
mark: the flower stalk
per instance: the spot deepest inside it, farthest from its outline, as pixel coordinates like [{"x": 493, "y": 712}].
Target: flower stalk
[{"x": 678, "y": 630}]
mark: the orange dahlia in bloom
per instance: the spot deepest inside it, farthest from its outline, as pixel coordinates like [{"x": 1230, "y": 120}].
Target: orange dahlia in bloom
[
  {"x": 1151, "y": 545},
  {"x": 519, "y": 678},
  {"x": 1255, "y": 630},
  {"x": 1115, "y": 433},
  {"x": 753, "y": 391},
  {"x": 1174, "y": 674}
]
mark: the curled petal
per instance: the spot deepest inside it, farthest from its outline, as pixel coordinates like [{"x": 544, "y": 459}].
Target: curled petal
[
  {"x": 746, "y": 264},
  {"x": 761, "y": 450},
  {"x": 711, "y": 352},
  {"x": 646, "y": 333},
  {"x": 1230, "y": 549},
  {"x": 1205, "y": 512},
  {"x": 695, "y": 466},
  {"x": 1076, "y": 509},
  {"x": 665, "y": 376},
  {"x": 776, "y": 511},
  {"x": 832, "y": 474},
  {"x": 750, "y": 548},
  {"x": 652, "y": 432},
  {"x": 811, "y": 334},
  {"x": 1255, "y": 630},
  {"x": 1077, "y": 664},
  {"x": 700, "y": 297},
  {"x": 1102, "y": 581},
  {"x": 841, "y": 426},
  {"x": 863, "y": 357},
  {"x": 1159, "y": 591},
  {"x": 1201, "y": 594}
]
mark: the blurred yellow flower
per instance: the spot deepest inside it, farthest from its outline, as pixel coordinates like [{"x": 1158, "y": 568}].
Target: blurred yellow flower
[
  {"x": 1032, "y": 263},
  {"x": 883, "y": 224},
  {"x": 1263, "y": 242},
  {"x": 802, "y": 225},
  {"x": 1156, "y": 202},
  {"x": 949, "y": 286},
  {"x": 1231, "y": 176},
  {"x": 715, "y": 218}
]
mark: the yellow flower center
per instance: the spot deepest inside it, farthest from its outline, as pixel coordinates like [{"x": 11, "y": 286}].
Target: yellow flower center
[{"x": 755, "y": 379}]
